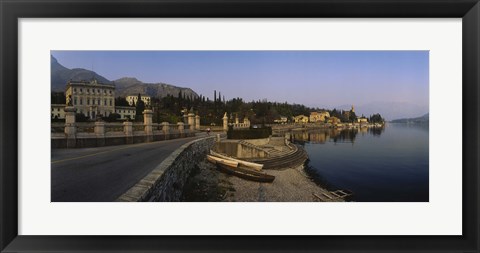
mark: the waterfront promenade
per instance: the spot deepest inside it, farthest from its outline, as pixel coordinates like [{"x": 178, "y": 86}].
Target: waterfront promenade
[{"x": 105, "y": 173}]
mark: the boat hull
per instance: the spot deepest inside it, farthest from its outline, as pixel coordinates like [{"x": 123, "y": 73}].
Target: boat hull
[
  {"x": 217, "y": 160},
  {"x": 245, "y": 173},
  {"x": 250, "y": 165}
]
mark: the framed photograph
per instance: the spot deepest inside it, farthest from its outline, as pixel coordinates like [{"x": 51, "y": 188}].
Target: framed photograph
[{"x": 254, "y": 126}]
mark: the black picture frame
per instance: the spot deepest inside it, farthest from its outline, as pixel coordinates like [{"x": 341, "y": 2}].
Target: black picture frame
[{"x": 11, "y": 11}]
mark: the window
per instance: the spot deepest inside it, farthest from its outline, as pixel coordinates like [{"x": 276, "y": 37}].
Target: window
[
  {"x": 88, "y": 101},
  {"x": 75, "y": 101},
  {"x": 88, "y": 90},
  {"x": 110, "y": 102},
  {"x": 74, "y": 89},
  {"x": 81, "y": 101},
  {"x": 81, "y": 90},
  {"x": 93, "y": 101},
  {"x": 104, "y": 102},
  {"x": 110, "y": 91},
  {"x": 99, "y": 102},
  {"x": 98, "y": 90}
]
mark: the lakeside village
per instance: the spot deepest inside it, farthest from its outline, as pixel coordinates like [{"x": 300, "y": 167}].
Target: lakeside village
[
  {"x": 95, "y": 101},
  {"x": 257, "y": 150}
]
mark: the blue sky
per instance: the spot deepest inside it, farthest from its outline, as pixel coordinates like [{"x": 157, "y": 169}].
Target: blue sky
[{"x": 313, "y": 78}]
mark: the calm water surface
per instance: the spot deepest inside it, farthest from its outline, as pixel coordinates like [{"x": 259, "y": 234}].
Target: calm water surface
[{"x": 377, "y": 165}]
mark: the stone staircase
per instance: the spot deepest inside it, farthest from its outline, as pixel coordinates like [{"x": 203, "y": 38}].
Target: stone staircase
[
  {"x": 282, "y": 159},
  {"x": 248, "y": 144}
]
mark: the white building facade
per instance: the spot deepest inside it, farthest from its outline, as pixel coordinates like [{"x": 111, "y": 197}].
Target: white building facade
[
  {"x": 126, "y": 112},
  {"x": 93, "y": 99},
  {"x": 58, "y": 111},
  {"x": 132, "y": 99}
]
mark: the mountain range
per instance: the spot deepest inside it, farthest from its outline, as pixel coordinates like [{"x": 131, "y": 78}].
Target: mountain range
[
  {"x": 418, "y": 120},
  {"x": 60, "y": 75},
  {"x": 125, "y": 86},
  {"x": 388, "y": 109}
]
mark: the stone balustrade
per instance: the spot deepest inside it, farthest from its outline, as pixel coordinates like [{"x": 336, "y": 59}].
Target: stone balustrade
[{"x": 99, "y": 133}]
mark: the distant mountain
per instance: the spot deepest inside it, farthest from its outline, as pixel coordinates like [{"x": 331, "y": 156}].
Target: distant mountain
[
  {"x": 418, "y": 120},
  {"x": 131, "y": 86},
  {"x": 388, "y": 110},
  {"x": 60, "y": 75}
]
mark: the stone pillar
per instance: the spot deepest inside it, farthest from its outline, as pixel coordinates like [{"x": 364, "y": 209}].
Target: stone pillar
[
  {"x": 100, "y": 133},
  {"x": 287, "y": 138},
  {"x": 181, "y": 129},
  {"x": 166, "y": 130},
  {"x": 128, "y": 131},
  {"x": 185, "y": 118},
  {"x": 225, "y": 122},
  {"x": 218, "y": 138},
  {"x": 147, "y": 123},
  {"x": 191, "y": 121},
  {"x": 100, "y": 129},
  {"x": 70, "y": 126},
  {"x": 236, "y": 119},
  {"x": 197, "y": 122}
]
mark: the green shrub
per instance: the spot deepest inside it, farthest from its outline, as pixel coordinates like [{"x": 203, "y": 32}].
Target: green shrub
[
  {"x": 251, "y": 133},
  {"x": 80, "y": 117}
]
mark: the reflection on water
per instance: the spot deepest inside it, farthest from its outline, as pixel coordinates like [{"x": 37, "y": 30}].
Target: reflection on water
[
  {"x": 321, "y": 136},
  {"x": 377, "y": 164}
]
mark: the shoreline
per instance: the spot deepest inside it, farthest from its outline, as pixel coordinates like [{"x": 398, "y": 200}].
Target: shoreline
[{"x": 208, "y": 184}]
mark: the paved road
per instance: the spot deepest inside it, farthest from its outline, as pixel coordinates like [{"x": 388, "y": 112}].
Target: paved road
[{"x": 105, "y": 173}]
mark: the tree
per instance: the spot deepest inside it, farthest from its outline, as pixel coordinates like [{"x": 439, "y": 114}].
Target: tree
[
  {"x": 121, "y": 101},
  {"x": 377, "y": 118},
  {"x": 80, "y": 117},
  {"x": 140, "y": 107},
  {"x": 352, "y": 117},
  {"x": 58, "y": 98},
  {"x": 113, "y": 117}
]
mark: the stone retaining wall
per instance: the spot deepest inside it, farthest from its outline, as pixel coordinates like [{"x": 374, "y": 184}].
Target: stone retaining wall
[
  {"x": 166, "y": 181},
  {"x": 239, "y": 149}
]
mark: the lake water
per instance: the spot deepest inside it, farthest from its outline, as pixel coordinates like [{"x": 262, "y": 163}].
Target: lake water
[{"x": 377, "y": 165}]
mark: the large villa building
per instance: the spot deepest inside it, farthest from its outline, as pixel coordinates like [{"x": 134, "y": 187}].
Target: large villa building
[
  {"x": 91, "y": 98},
  {"x": 126, "y": 112},
  {"x": 300, "y": 119},
  {"x": 319, "y": 116}
]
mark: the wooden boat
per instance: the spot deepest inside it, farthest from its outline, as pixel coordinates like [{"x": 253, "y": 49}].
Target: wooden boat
[
  {"x": 245, "y": 173},
  {"x": 255, "y": 166},
  {"x": 217, "y": 160}
]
